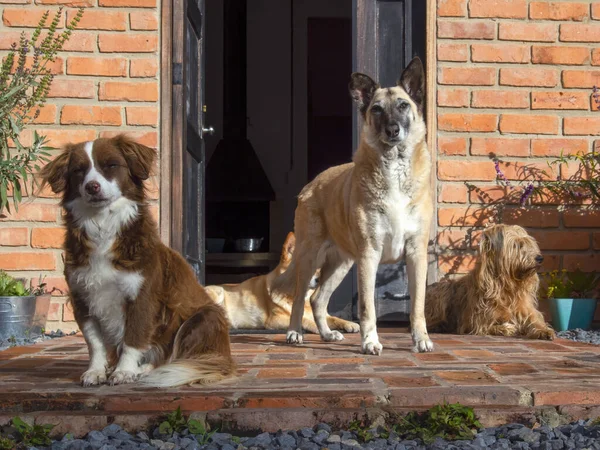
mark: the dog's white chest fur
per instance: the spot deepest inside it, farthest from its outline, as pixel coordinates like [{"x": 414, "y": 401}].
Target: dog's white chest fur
[
  {"x": 398, "y": 220},
  {"x": 105, "y": 289}
]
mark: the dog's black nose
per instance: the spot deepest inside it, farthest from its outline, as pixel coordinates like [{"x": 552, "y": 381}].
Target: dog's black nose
[
  {"x": 539, "y": 259},
  {"x": 93, "y": 187},
  {"x": 392, "y": 130}
]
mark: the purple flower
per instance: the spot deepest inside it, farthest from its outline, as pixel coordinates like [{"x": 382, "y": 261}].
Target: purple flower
[
  {"x": 499, "y": 172},
  {"x": 526, "y": 194}
]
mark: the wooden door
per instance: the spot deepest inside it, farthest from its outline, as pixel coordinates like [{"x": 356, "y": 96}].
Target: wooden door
[
  {"x": 188, "y": 161},
  {"x": 387, "y": 34}
]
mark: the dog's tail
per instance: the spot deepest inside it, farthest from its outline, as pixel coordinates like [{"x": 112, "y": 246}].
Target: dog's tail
[
  {"x": 203, "y": 369},
  {"x": 201, "y": 352}
]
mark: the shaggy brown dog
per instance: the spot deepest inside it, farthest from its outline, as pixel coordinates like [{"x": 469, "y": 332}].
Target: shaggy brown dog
[{"x": 498, "y": 297}]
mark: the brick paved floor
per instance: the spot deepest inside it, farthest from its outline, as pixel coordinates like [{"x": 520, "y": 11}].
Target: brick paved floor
[{"x": 283, "y": 386}]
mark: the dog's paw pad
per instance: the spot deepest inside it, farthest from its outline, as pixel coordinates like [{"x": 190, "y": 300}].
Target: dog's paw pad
[
  {"x": 93, "y": 377},
  {"x": 123, "y": 377},
  {"x": 423, "y": 345},
  {"x": 293, "y": 337},
  {"x": 372, "y": 348},
  {"x": 333, "y": 336}
]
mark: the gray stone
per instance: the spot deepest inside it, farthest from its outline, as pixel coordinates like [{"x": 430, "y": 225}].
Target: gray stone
[
  {"x": 378, "y": 443},
  {"x": 309, "y": 446},
  {"x": 77, "y": 444},
  {"x": 556, "y": 444},
  {"x": 321, "y": 436},
  {"x": 123, "y": 435},
  {"x": 523, "y": 434},
  {"x": 347, "y": 435},
  {"x": 194, "y": 445},
  {"x": 227, "y": 447},
  {"x": 306, "y": 432},
  {"x": 143, "y": 436},
  {"x": 400, "y": 447},
  {"x": 480, "y": 443},
  {"x": 350, "y": 443},
  {"x": 221, "y": 438},
  {"x": 489, "y": 440},
  {"x": 96, "y": 436},
  {"x": 334, "y": 447},
  {"x": 333, "y": 439},
  {"x": 108, "y": 447},
  {"x": 323, "y": 426},
  {"x": 286, "y": 440},
  {"x": 111, "y": 430}
]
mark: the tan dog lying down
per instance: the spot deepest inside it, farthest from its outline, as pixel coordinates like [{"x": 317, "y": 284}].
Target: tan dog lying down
[
  {"x": 499, "y": 296},
  {"x": 250, "y": 304}
]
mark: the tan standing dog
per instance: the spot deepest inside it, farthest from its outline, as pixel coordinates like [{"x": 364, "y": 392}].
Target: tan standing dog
[
  {"x": 499, "y": 296},
  {"x": 250, "y": 304},
  {"x": 374, "y": 210}
]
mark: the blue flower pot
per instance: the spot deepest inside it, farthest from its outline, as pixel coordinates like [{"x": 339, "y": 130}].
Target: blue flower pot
[{"x": 570, "y": 313}]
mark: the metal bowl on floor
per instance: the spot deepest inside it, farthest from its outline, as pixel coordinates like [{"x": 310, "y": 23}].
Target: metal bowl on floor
[{"x": 247, "y": 245}]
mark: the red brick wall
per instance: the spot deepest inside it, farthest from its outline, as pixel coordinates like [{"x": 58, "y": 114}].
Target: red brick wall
[
  {"x": 106, "y": 82},
  {"x": 514, "y": 78}
]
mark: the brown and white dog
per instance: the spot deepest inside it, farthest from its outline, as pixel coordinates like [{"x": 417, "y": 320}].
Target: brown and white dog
[
  {"x": 136, "y": 301},
  {"x": 252, "y": 305}
]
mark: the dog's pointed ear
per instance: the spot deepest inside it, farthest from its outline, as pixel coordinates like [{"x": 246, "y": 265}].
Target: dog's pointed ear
[
  {"x": 140, "y": 159},
  {"x": 288, "y": 247},
  {"x": 412, "y": 81},
  {"x": 56, "y": 172},
  {"x": 362, "y": 88}
]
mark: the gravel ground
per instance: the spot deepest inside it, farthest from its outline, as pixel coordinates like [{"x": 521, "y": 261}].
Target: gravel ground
[
  {"x": 20, "y": 342},
  {"x": 579, "y": 335},
  {"x": 578, "y": 435}
]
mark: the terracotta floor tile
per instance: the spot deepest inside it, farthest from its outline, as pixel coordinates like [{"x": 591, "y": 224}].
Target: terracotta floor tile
[
  {"x": 467, "y": 377},
  {"x": 512, "y": 368}
]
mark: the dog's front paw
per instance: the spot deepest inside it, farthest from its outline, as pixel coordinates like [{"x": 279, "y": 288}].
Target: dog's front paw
[
  {"x": 370, "y": 344},
  {"x": 294, "y": 337},
  {"x": 546, "y": 334},
  {"x": 332, "y": 336},
  {"x": 93, "y": 377},
  {"x": 422, "y": 344},
  {"x": 351, "y": 327},
  {"x": 123, "y": 377},
  {"x": 372, "y": 348}
]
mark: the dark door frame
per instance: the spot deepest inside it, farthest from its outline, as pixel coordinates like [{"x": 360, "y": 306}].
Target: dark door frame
[{"x": 172, "y": 118}]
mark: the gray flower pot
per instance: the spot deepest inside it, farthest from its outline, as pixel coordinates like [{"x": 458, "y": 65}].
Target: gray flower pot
[{"x": 23, "y": 316}]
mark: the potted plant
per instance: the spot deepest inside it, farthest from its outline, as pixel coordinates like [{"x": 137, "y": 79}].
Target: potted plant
[
  {"x": 23, "y": 312},
  {"x": 25, "y": 80},
  {"x": 572, "y": 297}
]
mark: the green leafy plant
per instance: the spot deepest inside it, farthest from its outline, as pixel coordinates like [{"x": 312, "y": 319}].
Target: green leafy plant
[
  {"x": 361, "y": 430},
  {"x": 10, "y": 287},
  {"x": 25, "y": 81},
  {"x": 564, "y": 284},
  {"x": 32, "y": 435},
  {"x": 7, "y": 443},
  {"x": 447, "y": 421},
  {"x": 198, "y": 428},
  {"x": 176, "y": 421}
]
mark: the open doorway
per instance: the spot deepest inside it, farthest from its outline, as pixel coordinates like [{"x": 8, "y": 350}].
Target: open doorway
[
  {"x": 294, "y": 59},
  {"x": 273, "y": 77}
]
